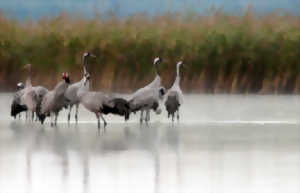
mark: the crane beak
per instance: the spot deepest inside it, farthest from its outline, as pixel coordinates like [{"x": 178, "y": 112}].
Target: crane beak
[{"x": 92, "y": 55}]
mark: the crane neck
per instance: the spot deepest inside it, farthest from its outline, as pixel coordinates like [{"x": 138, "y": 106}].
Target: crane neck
[
  {"x": 83, "y": 89},
  {"x": 28, "y": 80},
  {"x": 177, "y": 70},
  {"x": 177, "y": 80},
  {"x": 156, "y": 69},
  {"x": 84, "y": 65}
]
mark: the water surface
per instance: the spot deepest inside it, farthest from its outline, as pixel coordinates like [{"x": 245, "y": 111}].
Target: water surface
[{"x": 223, "y": 143}]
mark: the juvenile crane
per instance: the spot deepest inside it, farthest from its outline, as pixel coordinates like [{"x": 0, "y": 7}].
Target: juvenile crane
[
  {"x": 71, "y": 92},
  {"x": 174, "y": 97}
]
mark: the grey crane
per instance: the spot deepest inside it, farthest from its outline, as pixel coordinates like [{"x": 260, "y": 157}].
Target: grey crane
[
  {"x": 71, "y": 92},
  {"x": 31, "y": 96},
  {"x": 54, "y": 101},
  {"x": 99, "y": 103},
  {"x": 147, "y": 98},
  {"x": 18, "y": 106},
  {"x": 174, "y": 97}
]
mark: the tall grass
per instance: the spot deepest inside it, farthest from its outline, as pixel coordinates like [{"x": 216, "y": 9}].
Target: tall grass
[{"x": 224, "y": 53}]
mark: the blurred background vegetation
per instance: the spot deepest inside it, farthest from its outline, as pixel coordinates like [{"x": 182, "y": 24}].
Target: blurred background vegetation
[{"x": 224, "y": 53}]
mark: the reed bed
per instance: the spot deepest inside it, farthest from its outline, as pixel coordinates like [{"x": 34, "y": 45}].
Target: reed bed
[{"x": 224, "y": 53}]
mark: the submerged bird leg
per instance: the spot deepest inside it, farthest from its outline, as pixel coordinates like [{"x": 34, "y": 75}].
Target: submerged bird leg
[
  {"x": 147, "y": 118},
  {"x": 173, "y": 117},
  {"x": 19, "y": 116},
  {"x": 105, "y": 123},
  {"x": 98, "y": 120},
  {"x": 36, "y": 117},
  {"x": 32, "y": 116},
  {"x": 69, "y": 114},
  {"x": 178, "y": 115},
  {"x": 142, "y": 116},
  {"x": 55, "y": 120},
  {"x": 51, "y": 119},
  {"x": 76, "y": 113}
]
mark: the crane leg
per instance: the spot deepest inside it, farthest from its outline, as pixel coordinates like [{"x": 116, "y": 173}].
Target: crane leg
[
  {"x": 98, "y": 120},
  {"x": 147, "y": 118},
  {"x": 105, "y": 123},
  {"x": 51, "y": 119},
  {"x": 178, "y": 115},
  {"x": 55, "y": 120},
  {"x": 76, "y": 113},
  {"x": 142, "y": 116},
  {"x": 26, "y": 115},
  {"x": 32, "y": 116},
  {"x": 36, "y": 117},
  {"x": 172, "y": 117},
  {"x": 69, "y": 114}
]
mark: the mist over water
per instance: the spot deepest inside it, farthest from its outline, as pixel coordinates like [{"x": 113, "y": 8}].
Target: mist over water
[{"x": 223, "y": 143}]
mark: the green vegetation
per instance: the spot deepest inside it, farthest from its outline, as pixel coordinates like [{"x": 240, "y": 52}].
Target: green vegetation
[{"x": 224, "y": 53}]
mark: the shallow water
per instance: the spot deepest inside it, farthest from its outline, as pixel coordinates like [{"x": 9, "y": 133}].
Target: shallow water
[{"x": 223, "y": 143}]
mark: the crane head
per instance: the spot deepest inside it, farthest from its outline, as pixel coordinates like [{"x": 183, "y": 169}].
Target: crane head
[
  {"x": 179, "y": 63},
  {"x": 65, "y": 76},
  {"x": 20, "y": 86},
  {"x": 86, "y": 54},
  {"x": 156, "y": 60}
]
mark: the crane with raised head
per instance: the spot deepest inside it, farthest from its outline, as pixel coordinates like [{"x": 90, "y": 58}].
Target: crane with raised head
[
  {"x": 174, "y": 97},
  {"x": 71, "y": 92},
  {"x": 148, "y": 97}
]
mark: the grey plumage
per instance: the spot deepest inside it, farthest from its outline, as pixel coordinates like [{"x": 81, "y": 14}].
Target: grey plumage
[
  {"x": 172, "y": 103},
  {"x": 148, "y": 97},
  {"x": 71, "y": 92},
  {"x": 99, "y": 103},
  {"x": 29, "y": 98},
  {"x": 174, "y": 97},
  {"x": 18, "y": 104},
  {"x": 54, "y": 101},
  {"x": 94, "y": 101}
]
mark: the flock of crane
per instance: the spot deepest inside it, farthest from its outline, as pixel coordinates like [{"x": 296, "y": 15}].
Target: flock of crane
[{"x": 48, "y": 103}]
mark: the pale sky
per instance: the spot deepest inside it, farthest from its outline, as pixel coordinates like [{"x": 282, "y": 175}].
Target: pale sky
[{"x": 39, "y": 8}]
